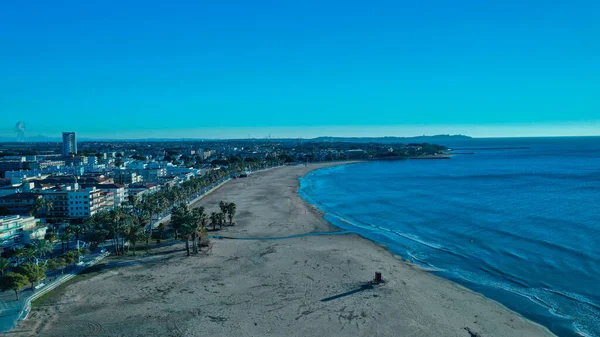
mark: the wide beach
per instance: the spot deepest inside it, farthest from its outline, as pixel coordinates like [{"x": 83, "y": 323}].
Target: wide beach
[{"x": 272, "y": 287}]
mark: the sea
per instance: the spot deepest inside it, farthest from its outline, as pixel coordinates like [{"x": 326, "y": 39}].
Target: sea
[{"x": 515, "y": 219}]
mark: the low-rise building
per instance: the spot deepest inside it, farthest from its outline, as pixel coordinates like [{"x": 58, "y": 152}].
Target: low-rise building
[{"x": 16, "y": 231}]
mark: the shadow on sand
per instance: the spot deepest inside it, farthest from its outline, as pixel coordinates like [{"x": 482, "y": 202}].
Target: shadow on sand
[{"x": 366, "y": 286}]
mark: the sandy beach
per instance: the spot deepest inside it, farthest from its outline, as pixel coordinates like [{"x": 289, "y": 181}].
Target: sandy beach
[{"x": 285, "y": 287}]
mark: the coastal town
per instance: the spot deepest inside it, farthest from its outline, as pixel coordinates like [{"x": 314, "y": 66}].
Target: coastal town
[{"x": 56, "y": 198}]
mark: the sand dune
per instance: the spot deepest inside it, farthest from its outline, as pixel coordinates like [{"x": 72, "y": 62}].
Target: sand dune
[{"x": 273, "y": 287}]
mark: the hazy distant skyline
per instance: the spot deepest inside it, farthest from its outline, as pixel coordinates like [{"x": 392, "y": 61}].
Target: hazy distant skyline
[{"x": 151, "y": 69}]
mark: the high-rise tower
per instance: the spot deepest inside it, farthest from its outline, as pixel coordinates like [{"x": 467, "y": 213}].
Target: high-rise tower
[{"x": 69, "y": 144}]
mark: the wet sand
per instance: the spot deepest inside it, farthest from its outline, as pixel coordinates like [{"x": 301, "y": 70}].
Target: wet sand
[{"x": 307, "y": 286}]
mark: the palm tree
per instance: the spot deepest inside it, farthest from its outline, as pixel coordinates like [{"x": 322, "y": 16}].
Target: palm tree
[
  {"x": 133, "y": 234},
  {"x": 116, "y": 217},
  {"x": 182, "y": 221},
  {"x": 4, "y": 264},
  {"x": 18, "y": 253},
  {"x": 65, "y": 237},
  {"x": 142, "y": 220},
  {"x": 231, "y": 208},
  {"x": 161, "y": 229},
  {"x": 213, "y": 219},
  {"x": 221, "y": 219},
  {"x": 29, "y": 254},
  {"x": 223, "y": 207},
  {"x": 199, "y": 216},
  {"x": 42, "y": 247},
  {"x": 76, "y": 230}
]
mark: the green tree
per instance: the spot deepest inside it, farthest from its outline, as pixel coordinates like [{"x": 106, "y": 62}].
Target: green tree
[
  {"x": 231, "y": 209},
  {"x": 33, "y": 272},
  {"x": 56, "y": 264},
  {"x": 4, "y": 265},
  {"x": 132, "y": 200},
  {"x": 13, "y": 281},
  {"x": 71, "y": 257},
  {"x": 223, "y": 206}
]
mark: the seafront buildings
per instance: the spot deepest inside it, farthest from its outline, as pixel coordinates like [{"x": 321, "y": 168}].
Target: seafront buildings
[
  {"x": 68, "y": 182},
  {"x": 17, "y": 231}
]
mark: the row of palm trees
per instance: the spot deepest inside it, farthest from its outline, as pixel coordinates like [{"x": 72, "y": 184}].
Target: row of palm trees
[
  {"x": 36, "y": 250},
  {"x": 191, "y": 223},
  {"x": 131, "y": 223}
]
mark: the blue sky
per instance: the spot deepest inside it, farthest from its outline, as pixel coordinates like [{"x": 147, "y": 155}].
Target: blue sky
[{"x": 125, "y": 69}]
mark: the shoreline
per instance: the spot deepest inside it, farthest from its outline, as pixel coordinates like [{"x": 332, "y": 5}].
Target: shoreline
[
  {"x": 301, "y": 286},
  {"x": 407, "y": 262}
]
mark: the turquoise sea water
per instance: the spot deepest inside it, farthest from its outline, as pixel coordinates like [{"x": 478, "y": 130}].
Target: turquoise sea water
[{"x": 518, "y": 221}]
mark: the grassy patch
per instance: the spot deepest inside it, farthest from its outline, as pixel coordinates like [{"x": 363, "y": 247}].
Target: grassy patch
[{"x": 55, "y": 295}]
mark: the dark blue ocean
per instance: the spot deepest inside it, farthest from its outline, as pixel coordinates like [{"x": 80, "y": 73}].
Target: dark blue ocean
[{"x": 518, "y": 221}]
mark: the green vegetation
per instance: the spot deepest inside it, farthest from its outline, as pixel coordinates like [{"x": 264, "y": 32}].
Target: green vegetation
[
  {"x": 33, "y": 272},
  {"x": 13, "y": 281},
  {"x": 4, "y": 265},
  {"x": 57, "y": 293},
  {"x": 121, "y": 225}
]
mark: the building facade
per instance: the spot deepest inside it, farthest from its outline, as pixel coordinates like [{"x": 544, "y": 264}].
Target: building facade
[
  {"x": 69, "y": 144},
  {"x": 16, "y": 231},
  {"x": 19, "y": 203},
  {"x": 86, "y": 202}
]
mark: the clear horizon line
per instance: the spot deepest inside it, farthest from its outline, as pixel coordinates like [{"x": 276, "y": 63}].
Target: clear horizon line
[{"x": 303, "y": 138}]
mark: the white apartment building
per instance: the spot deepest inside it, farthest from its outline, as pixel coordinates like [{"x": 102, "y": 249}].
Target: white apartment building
[
  {"x": 16, "y": 231},
  {"x": 119, "y": 192},
  {"x": 83, "y": 203}
]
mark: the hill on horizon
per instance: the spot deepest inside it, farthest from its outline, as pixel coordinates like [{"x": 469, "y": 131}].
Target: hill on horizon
[{"x": 383, "y": 139}]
